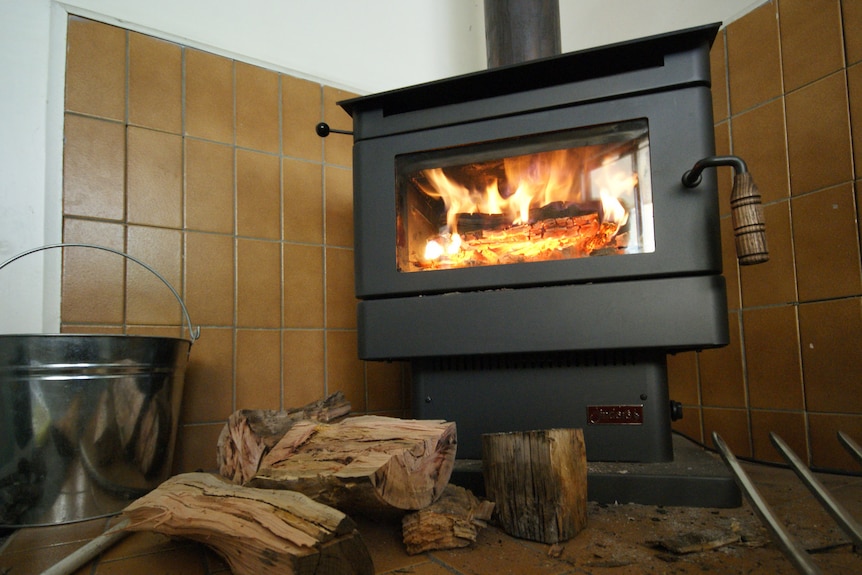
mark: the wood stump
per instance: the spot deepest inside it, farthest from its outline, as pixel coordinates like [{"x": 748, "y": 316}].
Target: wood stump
[
  {"x": 367, "y": 463},
  {"x": 256, "y": 531},
  {"x": 538, "y": 482}
]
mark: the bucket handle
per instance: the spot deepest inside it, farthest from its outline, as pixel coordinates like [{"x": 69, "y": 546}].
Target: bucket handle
[{"x": 194, "y": 332}]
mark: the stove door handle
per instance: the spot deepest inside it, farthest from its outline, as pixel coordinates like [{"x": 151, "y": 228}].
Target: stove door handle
[{"x": 749, "y": 227}]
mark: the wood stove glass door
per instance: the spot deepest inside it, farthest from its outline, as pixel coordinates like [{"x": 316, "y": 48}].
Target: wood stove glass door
[{"x": 571, "y": 194}]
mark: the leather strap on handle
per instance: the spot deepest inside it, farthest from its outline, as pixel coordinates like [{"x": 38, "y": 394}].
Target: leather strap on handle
[{"x": 749, "y": 228}]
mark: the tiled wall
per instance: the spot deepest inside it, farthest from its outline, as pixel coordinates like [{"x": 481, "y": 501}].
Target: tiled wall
[
  {"x": 209, "y": 170},
  {"x": 787, "y": 93}
]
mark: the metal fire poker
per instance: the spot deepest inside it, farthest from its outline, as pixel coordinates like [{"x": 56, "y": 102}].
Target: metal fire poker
[{"x": 788, "y": 544}]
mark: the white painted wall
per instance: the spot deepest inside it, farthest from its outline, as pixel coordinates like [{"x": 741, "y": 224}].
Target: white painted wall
[{"x": 361, "y": 45}]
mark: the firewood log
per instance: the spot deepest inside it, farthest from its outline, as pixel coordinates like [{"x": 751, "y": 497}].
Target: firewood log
[
  {"x": 250, "y": 433},
  {"x": 256, "y": 531},
  {"x": 538, "y": 482},
  {"x": 367, "y": 463},
  {"x": 450, "y": 522}
]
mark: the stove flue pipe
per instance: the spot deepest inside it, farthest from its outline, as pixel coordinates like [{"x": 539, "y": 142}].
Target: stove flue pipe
[
  {"x": 517, "y": 31},
  {"x": 746, "y": 210}
]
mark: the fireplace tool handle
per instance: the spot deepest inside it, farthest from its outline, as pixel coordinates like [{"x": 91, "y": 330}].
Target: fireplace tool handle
[
  {"x": 746, "y": 210},
  {"x": 322, "y": 129}
]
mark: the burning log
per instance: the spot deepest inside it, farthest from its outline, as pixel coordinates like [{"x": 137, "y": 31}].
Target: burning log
[
  {"x": 538, "y": 482},
  {"x": 450, "y": 522},
  {"x": 249, "y": 434},
  {"x": 366, "y": 463},
  {"x": 256, "y": 531}
]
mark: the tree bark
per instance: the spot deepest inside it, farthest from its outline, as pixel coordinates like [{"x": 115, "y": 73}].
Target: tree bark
[
  {"x": 538, "y": 482},
  {"x": 249, "y": 434},
  {"x": 256, "y": 531},
  {"x": 366, "y": 463}
]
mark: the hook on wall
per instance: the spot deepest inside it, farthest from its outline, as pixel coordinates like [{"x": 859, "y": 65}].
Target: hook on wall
[{"x": 324, "y": 130}]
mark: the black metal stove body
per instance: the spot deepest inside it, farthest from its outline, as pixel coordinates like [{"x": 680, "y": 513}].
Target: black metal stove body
[{"x": 570, "y": 342}]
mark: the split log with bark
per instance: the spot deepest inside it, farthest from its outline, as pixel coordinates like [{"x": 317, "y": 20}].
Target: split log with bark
[
  {"x": 367, "y": 463},
  {"x": 452, "y": 521},
  {"x": 256, "y": 531},
  {"x": 249, "y": 434}
]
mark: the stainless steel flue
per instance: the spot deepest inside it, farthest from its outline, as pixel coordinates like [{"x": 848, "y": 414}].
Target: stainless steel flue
[{"x": 517, "y": 31}]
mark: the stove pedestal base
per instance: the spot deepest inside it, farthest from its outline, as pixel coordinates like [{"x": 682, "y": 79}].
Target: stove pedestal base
[
  {"x": 695, "y": 478},
  {"x": 619, "y": 398}
]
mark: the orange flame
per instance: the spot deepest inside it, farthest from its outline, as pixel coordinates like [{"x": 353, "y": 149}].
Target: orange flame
[{"x": 531, "y": 181}]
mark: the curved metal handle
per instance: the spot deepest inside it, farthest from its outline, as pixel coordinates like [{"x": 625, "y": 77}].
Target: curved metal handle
[
  {"x": 194, "y": 332},
  {"x": 745, "y": 207}
]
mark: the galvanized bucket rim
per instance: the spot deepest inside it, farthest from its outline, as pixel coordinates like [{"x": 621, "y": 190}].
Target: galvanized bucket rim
[{"x": 194, "y": 332}]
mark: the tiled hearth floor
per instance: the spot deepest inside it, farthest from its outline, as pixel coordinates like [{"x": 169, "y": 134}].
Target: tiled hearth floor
[{"x": 618, "y": 540}]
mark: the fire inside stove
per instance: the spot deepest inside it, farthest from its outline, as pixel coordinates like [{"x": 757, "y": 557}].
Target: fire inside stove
[{"x": 571, "y": 194}]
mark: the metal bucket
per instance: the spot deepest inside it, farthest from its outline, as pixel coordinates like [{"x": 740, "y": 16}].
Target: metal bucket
[{"x": 87, "y": 422}]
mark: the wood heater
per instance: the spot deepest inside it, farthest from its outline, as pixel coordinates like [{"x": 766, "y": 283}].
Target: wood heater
[{"x": 524, "y": 238}]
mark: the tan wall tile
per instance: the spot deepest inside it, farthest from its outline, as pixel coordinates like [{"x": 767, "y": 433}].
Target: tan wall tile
[
  {"x": 148, "y": 300},
  {"x": 805, "y": 24},
  {"x": 258, "y": 195},
  {"x": 208, "y": 394},
  {"x": 772, "y": 358},
  {"x": 258, "y": 369},
  {"x": 154, "y": 174},
  {"x": 209, "y": 98},
  {"x": 155, "y": 83},
  {"x": 257, "y": 102},
  {"x": 304, "y": 367},
  {"x": 754, "y": 61},
  {"x": 344, "y": 371},
  {"x": 303, "y": 286},
  {"x": 94, "y": 168},
  {"x": 303, "y": 201},
  {"x": 209, "y": 186},
  {"x": 831, "y": 337},
  {"x": 96, "y": 69},
  {"x": 258, "y": 294},
  {"x": 818, "y": 135},
  {"x": 826, "y": 243},
  {"x": 209, "y": 278},
  {"x": 93, "y": 280}
]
